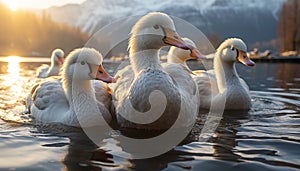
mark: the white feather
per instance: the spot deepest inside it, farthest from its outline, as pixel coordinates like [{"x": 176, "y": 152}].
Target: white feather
[
  {"x": 45, "y": 71},
  {"x": 138, "y": 89},
  {"x": 71, "y": 100},
  {"x": 222, "y": 81}
]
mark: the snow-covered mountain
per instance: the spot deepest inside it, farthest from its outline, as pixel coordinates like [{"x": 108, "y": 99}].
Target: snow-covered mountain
[{"x": 253, "y": 20}]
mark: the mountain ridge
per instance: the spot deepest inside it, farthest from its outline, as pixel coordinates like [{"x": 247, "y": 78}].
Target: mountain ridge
[{"x": 254, "y": 20}]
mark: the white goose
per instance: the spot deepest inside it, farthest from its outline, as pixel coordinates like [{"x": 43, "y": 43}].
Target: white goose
[
  {"x": 180, "y": 56},
  {"x": 57, "y": 60},
  {"x": 223, "y": 80},
  {"x": 71, "y": 100},
  {"x": 139, "y": 81}
]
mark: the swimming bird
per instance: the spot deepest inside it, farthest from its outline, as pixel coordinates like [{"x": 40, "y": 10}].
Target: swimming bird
[
  {"x": 223, "y": 80},
  {"x": 148, "y": 95},
  {"x": 71, "y": 100},
  {"x": 180, "y": 56},
  {"x": 57, "y": 60}
]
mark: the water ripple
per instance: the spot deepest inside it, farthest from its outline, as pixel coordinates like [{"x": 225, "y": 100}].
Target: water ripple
[{"x": 265, "y": 138}]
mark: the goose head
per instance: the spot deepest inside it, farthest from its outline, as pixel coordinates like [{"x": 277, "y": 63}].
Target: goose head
[
  {"x": 156, "y": 30},
  {"x": 57, "y": 57},
  {"x": 178, "y": 55},
  {"x": 235, "y": 50},
  {"x": 86, "y": 64}
]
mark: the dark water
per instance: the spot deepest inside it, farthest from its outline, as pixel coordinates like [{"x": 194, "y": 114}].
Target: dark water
[{"x": 265, "y": 138}]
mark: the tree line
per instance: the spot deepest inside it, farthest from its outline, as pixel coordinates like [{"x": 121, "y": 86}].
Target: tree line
[
  {"x": 289, "y": 26},
  {"x": 25, "y": 34}
]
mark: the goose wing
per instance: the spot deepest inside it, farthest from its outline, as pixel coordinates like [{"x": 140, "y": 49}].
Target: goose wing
[
  {"x": 48, "y": 100},
  {"x": 42, "y": 71}
]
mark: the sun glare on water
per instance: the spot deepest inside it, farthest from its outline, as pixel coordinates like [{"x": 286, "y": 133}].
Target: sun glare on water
[
  {"x": 13, "y": 70},
  {"x": 13, "y": 65},
  {"x": 12, "y": 94}
]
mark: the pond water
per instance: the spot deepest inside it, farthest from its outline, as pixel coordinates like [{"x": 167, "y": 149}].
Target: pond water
[{"x": 265, "y": 138}]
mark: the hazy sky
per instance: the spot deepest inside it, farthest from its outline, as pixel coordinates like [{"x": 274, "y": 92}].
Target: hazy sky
[{"x": 17, "y": 4}]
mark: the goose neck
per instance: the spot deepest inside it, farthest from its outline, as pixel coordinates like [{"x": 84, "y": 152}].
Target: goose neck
[
  {"x": 226, "y": 74},
  {"x": 175, "y": 60},
  {"x": 142, "y": 58}
]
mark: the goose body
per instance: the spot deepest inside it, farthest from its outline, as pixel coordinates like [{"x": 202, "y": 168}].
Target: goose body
[
  {"x": 71, "y": 100},
  {"x": 57, "y": 60},
  {"x": 145, "y": 88},
  {"x": 223, "y": 81}
]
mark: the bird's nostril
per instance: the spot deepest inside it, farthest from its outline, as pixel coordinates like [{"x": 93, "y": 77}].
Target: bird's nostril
[{"x": 175, "y": 37}]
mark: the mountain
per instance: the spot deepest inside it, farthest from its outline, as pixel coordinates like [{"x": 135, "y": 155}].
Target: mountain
[{"x": 253, "y": 20}]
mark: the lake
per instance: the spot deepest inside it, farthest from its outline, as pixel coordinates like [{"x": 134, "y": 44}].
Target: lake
[{"x": 265, "y": 138}]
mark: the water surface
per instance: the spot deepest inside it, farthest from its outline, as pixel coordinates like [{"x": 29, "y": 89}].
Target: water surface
[{"x": 265, "y": 138}]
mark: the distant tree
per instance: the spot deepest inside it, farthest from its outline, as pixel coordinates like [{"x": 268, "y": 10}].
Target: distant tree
[
  {"x": 23, "y": 33},
  {"x": 289, "y": 26}
]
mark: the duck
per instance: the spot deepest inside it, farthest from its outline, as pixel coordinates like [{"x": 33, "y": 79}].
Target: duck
[
  {"x": 57, "y": 60},
  {"x": 223, "y": 82},
  {"x": 148, "y": 95},
  {"x": 71, "y": 100},
  {"x": 180, "y": 56}
]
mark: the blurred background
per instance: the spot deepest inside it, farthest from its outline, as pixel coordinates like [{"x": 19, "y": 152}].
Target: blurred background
[{"x": 35, "y": 28}]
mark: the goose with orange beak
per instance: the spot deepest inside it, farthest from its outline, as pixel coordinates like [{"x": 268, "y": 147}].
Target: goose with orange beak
[
  {"x": 224, "y": 80},
  {"x": 131, "y": 93},
  {"x": 72, "y": 99},
  {"x": 180, "y": 56}
]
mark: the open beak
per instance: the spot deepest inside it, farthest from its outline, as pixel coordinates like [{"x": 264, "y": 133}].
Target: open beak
[
  {"x": 104, "y": 76},
  {"x": 244, "y": 58},
  {"x": 174, "y": 39}
]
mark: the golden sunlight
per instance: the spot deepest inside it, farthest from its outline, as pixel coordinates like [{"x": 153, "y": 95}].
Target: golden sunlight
[
  {"x": 13, "y": 65},
  {"x": 13, "y": 6},
  {"x": 13, "y": 70}
]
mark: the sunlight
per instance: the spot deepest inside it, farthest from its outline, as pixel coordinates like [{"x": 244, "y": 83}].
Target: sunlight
[
  {"x": 13, "y": 66},
  {"x": 13, "y": 6},
  {"x": 13, "y": 70},
  {"x": 12, "y": 85}
]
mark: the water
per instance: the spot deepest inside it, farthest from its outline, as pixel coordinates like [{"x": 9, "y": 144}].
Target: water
[{"x": 265, "y": 138}]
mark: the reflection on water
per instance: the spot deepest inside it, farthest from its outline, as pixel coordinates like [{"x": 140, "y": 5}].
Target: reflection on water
[
  {"x": 13, "y": 83},
  {"x": 265, "y": 138},
  {"x": 13, "y": 74}
]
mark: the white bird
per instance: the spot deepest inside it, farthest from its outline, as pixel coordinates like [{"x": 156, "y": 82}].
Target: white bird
[
  {"x": 180, "y": 56},
  {"x": 223, "y": 81},
  {"x": 136, "y": 99},
  {"x": 57, "y": 60},
  {"x": 71, "y": 100}
]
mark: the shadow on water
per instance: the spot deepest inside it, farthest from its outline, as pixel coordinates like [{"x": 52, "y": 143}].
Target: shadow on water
[
  {"x": 243, "y": 140},
  {"x": 264, "y": 138}
]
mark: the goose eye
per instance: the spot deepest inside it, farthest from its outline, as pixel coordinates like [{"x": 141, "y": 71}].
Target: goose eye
[
  {"x": 156, "y": 27},
  {"x": 82, "y": 62},
  {"x": 232, "y": 48}
]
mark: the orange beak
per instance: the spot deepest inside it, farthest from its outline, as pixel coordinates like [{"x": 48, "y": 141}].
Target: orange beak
[
  {"x": 104, "y": 76},
  {"x": 195, "y": 53},
  {"x": 244, "y": 58},
  {"x": 174, "y": 39},
  {"x": 61, "y": 60}
]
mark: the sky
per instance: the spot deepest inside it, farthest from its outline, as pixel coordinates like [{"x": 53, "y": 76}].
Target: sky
[{"x": 40, "y": 4}]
